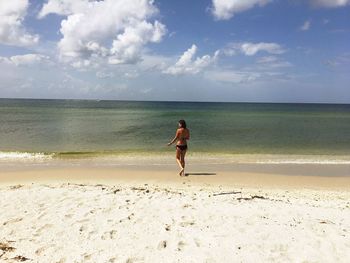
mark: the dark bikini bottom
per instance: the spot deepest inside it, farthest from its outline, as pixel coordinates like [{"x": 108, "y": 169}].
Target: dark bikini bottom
[{"x": 182, "y": 147}]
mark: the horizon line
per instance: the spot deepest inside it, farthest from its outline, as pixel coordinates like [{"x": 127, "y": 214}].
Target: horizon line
[{"x": 182, "y": 101}]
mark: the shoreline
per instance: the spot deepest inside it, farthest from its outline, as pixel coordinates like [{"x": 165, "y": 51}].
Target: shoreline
[
  {"x": 134, "y": 157},
  {"x": 284, "y": 176}
]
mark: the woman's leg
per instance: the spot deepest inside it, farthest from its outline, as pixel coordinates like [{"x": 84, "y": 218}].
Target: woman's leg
[
  {"x": 178, "y": 159},
  {"x": 182, "y": 159}
]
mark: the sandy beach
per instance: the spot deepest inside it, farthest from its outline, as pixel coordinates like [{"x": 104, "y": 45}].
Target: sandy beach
[
  {"x": 105, "y": 103},
  {"x": 143, "y": 214}
]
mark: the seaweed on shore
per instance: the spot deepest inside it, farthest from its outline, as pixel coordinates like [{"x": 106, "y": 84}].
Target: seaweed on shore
[
  {"x": 227, "y": 193},
  {"x": 20, "y": 258},
  {"x": 252, "y": 197},
  {"x": 4, "y": 246}
]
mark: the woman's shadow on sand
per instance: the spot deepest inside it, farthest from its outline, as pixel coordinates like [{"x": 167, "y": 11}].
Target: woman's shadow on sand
[{"x": 199, "y": 174}]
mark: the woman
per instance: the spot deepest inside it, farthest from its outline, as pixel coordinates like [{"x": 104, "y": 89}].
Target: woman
[{"x": 182, "y": 135}]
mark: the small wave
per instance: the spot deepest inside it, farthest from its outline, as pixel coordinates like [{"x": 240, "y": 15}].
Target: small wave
[
  {"x": 165, "y": 158},
  {"x": 8, "y": 156}
]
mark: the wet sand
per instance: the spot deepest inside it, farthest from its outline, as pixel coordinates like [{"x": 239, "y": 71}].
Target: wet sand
[{"x": 311, "y": 176}]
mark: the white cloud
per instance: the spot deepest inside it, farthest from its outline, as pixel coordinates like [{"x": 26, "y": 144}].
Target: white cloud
[
  {"x": 114, "y": 30},
  {"x": 247, "y": 75},
  {"x": 62, "y": 7},
  {"x": 104, "y": 74},
  {"x": 232, "y": 76},
  {"x": 27, "y": 59},
  {"x": 12, "y": 32},
  {"x": 251, "y": 49},
  {"x": 306, "y": 25},
  {"x": 5, "y": 60},
  {"x": 127, "y": 46},
  {"x": 81, "y": 63},
  {"x": 270, "y": 62},
  {"x": 154, "y": 63},
  {"x": 330, "y": 3},
  {"x": 342, "y": 61},
  {"x": 225, "y": 9},
  {"x": 187, "y": 63},
  {"x": 228, "y": 51}
]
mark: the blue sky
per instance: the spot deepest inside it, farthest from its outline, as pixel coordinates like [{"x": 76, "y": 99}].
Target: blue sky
[{"x": 199, "y": 50}]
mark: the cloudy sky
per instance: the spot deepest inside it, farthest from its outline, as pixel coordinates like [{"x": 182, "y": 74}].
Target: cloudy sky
[{"x": 187, "y": 50}]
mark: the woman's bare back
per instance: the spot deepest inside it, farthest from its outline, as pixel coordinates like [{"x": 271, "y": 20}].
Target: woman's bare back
[{"x": 182, "y": 134}]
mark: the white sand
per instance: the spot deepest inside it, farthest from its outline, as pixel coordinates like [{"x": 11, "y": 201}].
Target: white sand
[{"x": 139, "y": 222}]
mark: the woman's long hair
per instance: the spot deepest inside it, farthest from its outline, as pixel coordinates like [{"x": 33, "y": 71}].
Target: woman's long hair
[{"x": 182, "y": 123}]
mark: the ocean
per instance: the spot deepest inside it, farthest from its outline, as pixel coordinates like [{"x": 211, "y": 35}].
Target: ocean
[{"x": 40, "y": 128}]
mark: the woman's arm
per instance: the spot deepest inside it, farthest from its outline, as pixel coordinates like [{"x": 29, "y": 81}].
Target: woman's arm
[{"x": 175, "y": 138}]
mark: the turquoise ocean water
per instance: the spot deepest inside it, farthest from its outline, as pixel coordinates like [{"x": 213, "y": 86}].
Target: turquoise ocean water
[{"x": 64, "y": 128}]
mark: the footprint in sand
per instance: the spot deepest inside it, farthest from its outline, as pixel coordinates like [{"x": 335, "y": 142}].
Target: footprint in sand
[
  {"x": 81, "y": 204},
  {"x": 167, "y": 227},
  {"x": 132, "y": 260},
  {"x": 69, "y": 216},
  {"x": 90, "y": 234},
  {"x": 87, "y": 256},
  {"x": 82, "y": 228},
  {"x": 107, "y": 210},
  {"x": 196, "y": 241},
  {"x": 131, "y": 216},
  {"x": 184, "y": 224},
  {"x": 180, "y": 245},
  {"x": 109, "y": 235},
  {"x": 41, "y": 250},
  {"x": 162, "y": 244}
]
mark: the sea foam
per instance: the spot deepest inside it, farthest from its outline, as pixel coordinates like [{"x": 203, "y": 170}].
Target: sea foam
[{"x": 8, "y": 156}]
